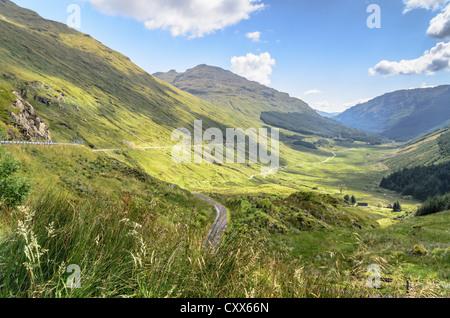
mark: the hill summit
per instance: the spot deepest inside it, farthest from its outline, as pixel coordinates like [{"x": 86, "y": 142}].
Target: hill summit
[
  {"x": 230, "y": 91},
  {"x": 402, "y": 115}
]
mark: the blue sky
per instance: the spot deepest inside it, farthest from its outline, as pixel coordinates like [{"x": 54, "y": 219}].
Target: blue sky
[{"x": 323, "y": 48}]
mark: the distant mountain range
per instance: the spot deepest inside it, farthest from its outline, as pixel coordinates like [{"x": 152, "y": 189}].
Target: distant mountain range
[
  {"x": 254, "y": 101},
  {"x": 327, "y": 115},
  {"x": 402, "y": 115}
]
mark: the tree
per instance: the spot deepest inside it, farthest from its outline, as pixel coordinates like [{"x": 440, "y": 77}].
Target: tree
[
  {"x": 397, "y": 207},
  {"x": 347, "y": 199},
  {"x": 353, "y": 200},
  {"x": 13, "y": 189}
]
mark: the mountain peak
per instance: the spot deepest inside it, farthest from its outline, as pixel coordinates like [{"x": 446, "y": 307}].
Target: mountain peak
[{"x": 229, "y": 90}]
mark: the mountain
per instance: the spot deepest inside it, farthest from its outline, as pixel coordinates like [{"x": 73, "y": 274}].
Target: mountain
[
  {"x": 327, "y": 115},
  {"x": 402, "y": 115},
  {"x": 79, "y": 87},
  {"x": 230, "y": 91},
  {"x": 257, "y": 102}
]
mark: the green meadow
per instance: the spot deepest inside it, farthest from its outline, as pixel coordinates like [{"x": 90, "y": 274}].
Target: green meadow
[{"x": 123, "y": 211}]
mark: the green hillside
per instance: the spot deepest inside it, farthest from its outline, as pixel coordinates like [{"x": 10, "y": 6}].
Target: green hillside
[
  {"x": 402, "y": 115},
  {"x": 421, "y": 166},
  {"x": 430, "y": 149},
  {"x": 122, "y": 210},
  {"x": 233, "y": 92},
  {"x": 100, "y": 96},
  {"x": 83, "y": 89},
  {"x": 258, "y": 102}
]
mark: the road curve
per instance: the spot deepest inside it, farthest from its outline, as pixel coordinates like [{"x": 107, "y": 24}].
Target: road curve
[{"x": 220, "y": 223}]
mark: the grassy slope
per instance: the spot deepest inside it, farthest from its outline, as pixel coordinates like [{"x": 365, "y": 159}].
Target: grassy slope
[
  {"x": 230, "y": 91},
  {"x": 79, "y": 172},
  {"x": 388, "y": 247},
  {"x": 100, "y": 95},
  {"x": 401, "y": 115},
  {"x": 427, "y": 150},
  {"x": 256, "y": 102},
  {"x": 115, "y": 112}
]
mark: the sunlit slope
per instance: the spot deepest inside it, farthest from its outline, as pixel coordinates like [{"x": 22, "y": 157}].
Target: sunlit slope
[
  {"x": 81, "y": 88},
  {"x": 430, "y": 149},
  {"x": 93, "y": 92},
  {"x": 102, "y": 98},
  {"x": 231, "y": 91},
  {"x": 256, "y": 102}
]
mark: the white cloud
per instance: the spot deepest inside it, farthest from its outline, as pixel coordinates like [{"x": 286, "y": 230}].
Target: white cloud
[
  {"x": 440, "y": 25},
  {"x": 256, "y": 68},
  {"x": 425, "y": 85},
  {"x": 435, "y": 60},
  {"x": 356, "y": 102},
  {"x": 322, "y": 106},
  {"x": 254, "y": 36},
  {"x": 423, "y": 4},
  {"x": 313, "y": 92},
  {"x": 328, "y": 107},
  {"x": 193, "y": 18}
]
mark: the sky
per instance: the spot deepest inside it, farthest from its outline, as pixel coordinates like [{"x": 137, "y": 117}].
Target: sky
[{"x": 332, "y": 54}]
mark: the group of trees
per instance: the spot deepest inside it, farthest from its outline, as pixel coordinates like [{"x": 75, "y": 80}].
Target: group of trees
[
  {"x": 397, "y": 207},
  {"x": 314, "y": 124},
  {"x": 420, "y": 182},
  {"x": 350, "y": 201},
  {"x": 435, "y": 204},
  {"x": 430, "y": 183}
]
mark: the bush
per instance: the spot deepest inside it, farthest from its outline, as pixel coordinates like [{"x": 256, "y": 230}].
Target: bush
[
  {"x": 438, "y": 203},
  {"x": 397, "y": 207},
  {"x": 13, "y": 189}
]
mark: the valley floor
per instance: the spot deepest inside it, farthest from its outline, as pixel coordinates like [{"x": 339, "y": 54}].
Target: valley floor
[{"x": 327, "y": 261}]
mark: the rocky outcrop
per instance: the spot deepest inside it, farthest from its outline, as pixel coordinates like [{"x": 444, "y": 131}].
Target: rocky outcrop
[
  {"x": 43, "y": 100},
  {"x": 31, "y": 127}
]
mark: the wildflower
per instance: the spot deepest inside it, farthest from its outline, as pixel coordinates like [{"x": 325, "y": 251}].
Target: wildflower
[
  {"x": 33, "y": 251},
  {"x": 51, "y": 230}
]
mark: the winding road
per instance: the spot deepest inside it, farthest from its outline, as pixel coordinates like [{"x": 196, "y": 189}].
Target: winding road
[{"x": 220, "y": 223}]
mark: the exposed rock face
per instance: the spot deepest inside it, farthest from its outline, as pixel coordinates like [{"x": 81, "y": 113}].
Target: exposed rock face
[
  {"x": 27, "y": 121},
  {"x": 44, "y": 100}
]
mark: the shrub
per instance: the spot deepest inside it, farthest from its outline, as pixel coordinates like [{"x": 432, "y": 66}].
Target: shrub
[
  {"x": 435, "y": 204},
  {"x": 397, "y": 207},
  {"x": 13, "y": 189}
]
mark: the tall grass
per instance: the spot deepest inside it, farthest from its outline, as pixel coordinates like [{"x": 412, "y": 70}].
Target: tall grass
[{"x": 126, "y": 250}]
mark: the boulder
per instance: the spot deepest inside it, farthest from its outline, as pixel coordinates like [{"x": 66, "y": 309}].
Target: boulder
[
  {"x": 31, "y": 127},
  {"x": 419, "y": 250}
]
